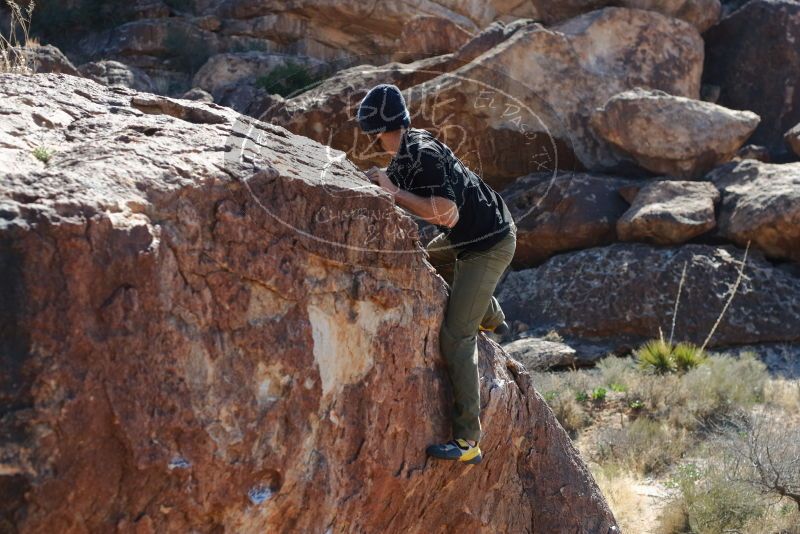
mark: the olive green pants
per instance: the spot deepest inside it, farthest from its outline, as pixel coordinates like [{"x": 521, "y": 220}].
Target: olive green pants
[{"x": 471, "y": 277}]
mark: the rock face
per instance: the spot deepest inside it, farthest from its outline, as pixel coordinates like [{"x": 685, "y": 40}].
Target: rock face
[
  {"x": 540, "y": 354},
  {"x": 224, "y": 72},
  {"x": 792, "y": 139},
  {"x": 669, "y": 212},
  {"x": 210, "y": 325},
  {"x": 700, "y": 13},
  {"x": 530, "y": 97},
  {"x": 48, "y": 58},
  {"x": 563, "y": 211},
  {"x": 753, "y": 56},
  {"x": 326, "y": 112},
  {"x": 761, "y": 202},
  {"x": 116, "y": 73},
  {"x": 625, "y": 292},
  {"x": 673, "y": 135},
  {"x": 427, "y": 36}
]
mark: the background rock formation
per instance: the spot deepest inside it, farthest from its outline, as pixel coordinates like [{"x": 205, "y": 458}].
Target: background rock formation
[{"x": 213, "y": 324}]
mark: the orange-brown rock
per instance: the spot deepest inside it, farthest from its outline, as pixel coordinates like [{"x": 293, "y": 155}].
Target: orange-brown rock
[
  {"x": 524, "y": 104},
  {"x": 215, "y": 325}
]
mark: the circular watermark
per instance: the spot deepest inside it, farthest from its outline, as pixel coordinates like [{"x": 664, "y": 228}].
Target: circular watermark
[{"x": 485, "y": 125}]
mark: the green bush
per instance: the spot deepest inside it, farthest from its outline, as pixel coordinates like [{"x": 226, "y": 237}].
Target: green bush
[
  {"x": 599, "y": 394},
  {"x": 712, "y": 503},
  {"x": 289, "y": 79}
]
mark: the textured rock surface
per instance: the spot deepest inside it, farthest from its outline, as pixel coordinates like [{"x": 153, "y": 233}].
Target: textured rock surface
[
  {"x": 326, "y": 113},
  {"x": 563, "y": 211},
  {"x": 673, "y": 135},
  {"x": 701, "y": 13},
  {"x": 223, "y": 72},
  {"x": 429, "y": 36},
  {"x": 540, "y": 354},
  {"x": 625, "y": 292},
  {"x": 116, "y": 73},
  {"x": 760, "y": 202},
  {"x": 792, "y": 139},
  {"x": 530, "y": 96},
  {"x": 754, "y": 57},
  {"x": 202, "y": 339},
  {"x": 669, "y": 212},
  {"x": 48, "y": 58}
]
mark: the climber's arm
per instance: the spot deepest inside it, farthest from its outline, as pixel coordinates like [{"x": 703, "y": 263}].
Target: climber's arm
[
  {"x": 433, "y": 209},
  {"x": 436, "y": 210}
]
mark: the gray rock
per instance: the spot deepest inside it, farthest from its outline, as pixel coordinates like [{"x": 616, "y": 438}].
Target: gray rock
[
  {"x": 760, "y": 202},
  {"x": 672, "y": 135},
  {"x": 669, "y": 212},
  {"x": 565, "y": 211},
  {"x": 116, "y": 73},
  {"x": 625, "y": 292},
  {"x": 538, "y": 354}
]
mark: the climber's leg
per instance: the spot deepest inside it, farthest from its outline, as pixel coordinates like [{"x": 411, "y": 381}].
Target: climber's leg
[
  {"x": 442, "y": 256},
  {"x": 474, "y": 280}
]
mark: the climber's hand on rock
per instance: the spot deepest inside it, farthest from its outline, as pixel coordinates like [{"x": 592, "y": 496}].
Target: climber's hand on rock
[{"x": 379, "y": 177}]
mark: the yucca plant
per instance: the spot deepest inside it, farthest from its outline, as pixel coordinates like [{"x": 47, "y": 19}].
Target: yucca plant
[
  {"x": 656, "y": 355},
  {"x": 687, "y": 356}
]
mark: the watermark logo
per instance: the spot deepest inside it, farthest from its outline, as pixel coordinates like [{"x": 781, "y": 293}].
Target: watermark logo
[{"x": 487, "y": 124}]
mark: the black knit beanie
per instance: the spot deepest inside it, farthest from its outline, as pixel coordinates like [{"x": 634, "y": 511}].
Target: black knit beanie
[{"x": 383, "y": 109}]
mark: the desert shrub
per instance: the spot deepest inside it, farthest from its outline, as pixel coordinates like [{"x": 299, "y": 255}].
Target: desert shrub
[
  {"x": 12, "y": 57},
  {"x": 644, "y": 446},
  {"x": 599, "y": 394},
  {"x": 722, "y": 386},
  {"x": 709, "y": 502},
  {"x": 290, "y": 79},
  {"x": 569, "y": 413}
]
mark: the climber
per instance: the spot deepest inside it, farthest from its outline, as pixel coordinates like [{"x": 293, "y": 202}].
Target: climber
[{"x": 475, "y": 246}]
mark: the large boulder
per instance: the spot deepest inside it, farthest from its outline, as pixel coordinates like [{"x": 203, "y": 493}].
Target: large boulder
[
  {"x": 556, "y": 212},
  {"x": 673, "y": 135},
  {"x": 669, "y": 212},
  {"x": 47, "y": 58},
  {"x": 326, "y": 113},
  {"x": 701, "y": 13},
  {"x": 753, "y": 56},
  {"x": 626, "y": 292},
  {"x": 225, "y": 71},
  {"x": 529, "y": 97},
  {"x": 209, "y": 325},
  {"x": 760, "y": 202},
  {"x": 427, "y": 36},
  {"x": 113, "y": 73}
]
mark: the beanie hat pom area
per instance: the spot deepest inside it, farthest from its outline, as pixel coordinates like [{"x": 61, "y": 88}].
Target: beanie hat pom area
[{"x": 383, "y": 109}]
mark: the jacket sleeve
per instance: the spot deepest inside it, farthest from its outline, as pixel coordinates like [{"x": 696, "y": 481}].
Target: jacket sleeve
[{"x": 431, "y": 176}]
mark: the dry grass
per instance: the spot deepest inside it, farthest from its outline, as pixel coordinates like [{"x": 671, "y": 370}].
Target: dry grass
[
  {"x": 12, "y": 55},
  {"x": 635, "y": 510}
]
